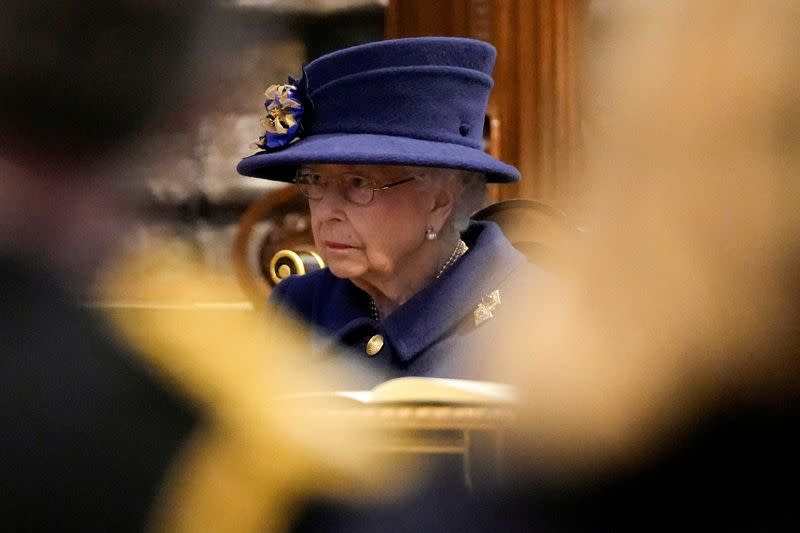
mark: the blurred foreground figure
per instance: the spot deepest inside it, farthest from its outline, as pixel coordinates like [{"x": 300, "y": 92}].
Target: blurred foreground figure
[
  {"x": 92, "y": 438},
  {"x": 86, "y": 432},
  {"x": 661, "y": 388}
]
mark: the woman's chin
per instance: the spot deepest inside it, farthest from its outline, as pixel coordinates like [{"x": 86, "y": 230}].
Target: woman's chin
[{"x": 345, "y": 269}]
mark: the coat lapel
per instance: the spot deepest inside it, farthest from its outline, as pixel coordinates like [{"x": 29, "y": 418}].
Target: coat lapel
[{"x": 444, "y": 304}]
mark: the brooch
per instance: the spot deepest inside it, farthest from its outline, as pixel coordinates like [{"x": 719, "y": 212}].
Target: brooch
[
  {"x": 485, "y": 309},
  {"x": 286, "y": 106}
]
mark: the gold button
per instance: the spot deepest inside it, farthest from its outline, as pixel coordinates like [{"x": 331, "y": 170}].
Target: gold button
[{"x": 374, "y": 345}]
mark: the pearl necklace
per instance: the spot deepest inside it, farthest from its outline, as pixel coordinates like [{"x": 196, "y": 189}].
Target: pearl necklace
[{"x": 460, "y": 249}]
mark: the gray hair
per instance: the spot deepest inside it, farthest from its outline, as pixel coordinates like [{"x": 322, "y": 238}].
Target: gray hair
[{"x": 468, "y": 199}]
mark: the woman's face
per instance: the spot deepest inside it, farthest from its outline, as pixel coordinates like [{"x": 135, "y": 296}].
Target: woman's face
[{"x": 373, "y": 241}]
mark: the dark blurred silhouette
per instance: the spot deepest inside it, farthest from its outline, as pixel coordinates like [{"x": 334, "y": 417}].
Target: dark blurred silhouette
[
  {"x": 87, "y": 432},
  {"x": 132, "y": 419}
]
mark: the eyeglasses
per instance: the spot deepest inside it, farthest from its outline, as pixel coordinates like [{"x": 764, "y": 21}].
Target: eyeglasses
[{"x": 356, "y": 189}]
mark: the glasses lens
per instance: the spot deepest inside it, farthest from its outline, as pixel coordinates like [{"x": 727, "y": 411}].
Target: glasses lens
[
  {"x": 354, "y": 188},
  {"x": 358, "y": 189},
  {"x": 312, "y": 186}
]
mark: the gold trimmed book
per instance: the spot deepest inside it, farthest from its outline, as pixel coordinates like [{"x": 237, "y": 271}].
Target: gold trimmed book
[{"x": 423, "y": 390}]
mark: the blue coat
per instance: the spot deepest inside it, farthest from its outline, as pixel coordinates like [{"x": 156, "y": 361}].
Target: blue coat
[{"x": 435, "y": 333}]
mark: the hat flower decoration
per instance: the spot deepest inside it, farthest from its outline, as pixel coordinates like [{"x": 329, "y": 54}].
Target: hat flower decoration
[{"x": 286, "y": 106}]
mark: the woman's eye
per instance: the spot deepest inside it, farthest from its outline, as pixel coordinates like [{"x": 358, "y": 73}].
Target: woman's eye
[
  {"x": 357, "y": 182},
  {"x": 313, "y": 179}
]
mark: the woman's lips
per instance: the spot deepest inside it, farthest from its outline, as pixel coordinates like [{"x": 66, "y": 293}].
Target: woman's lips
[{"x": 337, "y": 245}]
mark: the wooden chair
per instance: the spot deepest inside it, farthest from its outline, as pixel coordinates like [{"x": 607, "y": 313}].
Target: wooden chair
[
  {"x": 536, "y": 228},
  {"x": 273, "y": 240}
]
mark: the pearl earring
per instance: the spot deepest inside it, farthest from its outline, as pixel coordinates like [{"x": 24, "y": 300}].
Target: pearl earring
[{"x": 430, "y": 234}]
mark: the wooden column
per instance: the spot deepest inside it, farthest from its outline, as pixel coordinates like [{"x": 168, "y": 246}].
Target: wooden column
[{"x": 534, "y": 110}]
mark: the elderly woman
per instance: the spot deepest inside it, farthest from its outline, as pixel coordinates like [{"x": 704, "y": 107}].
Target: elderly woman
[{"x": 385, "y": 141}]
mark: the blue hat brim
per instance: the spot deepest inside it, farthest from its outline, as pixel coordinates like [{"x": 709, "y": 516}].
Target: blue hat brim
[{"x": 372, "y": 149}]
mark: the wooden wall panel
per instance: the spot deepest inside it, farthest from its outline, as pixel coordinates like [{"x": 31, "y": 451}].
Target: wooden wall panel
[{"x": 536, "y": 101}]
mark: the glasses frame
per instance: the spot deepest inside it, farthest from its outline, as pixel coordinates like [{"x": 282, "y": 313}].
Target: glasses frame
[{"x": 372, "y": 189}]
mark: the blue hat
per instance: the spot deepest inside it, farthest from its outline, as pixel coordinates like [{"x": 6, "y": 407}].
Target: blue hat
[{"x": 419, "y": 101}]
